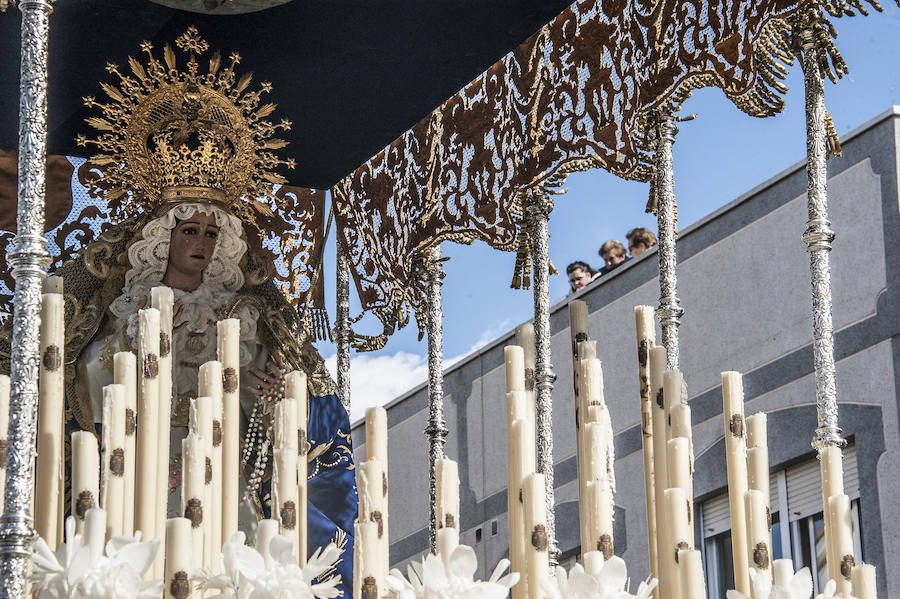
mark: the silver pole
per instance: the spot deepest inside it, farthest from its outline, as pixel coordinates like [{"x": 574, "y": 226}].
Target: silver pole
[
  {"x": 669, "y": 310},
  {"x": 437, "y": 427},
  {"x": 342, "y": 324},
  {"x": 27, "y": 258},
  {"x": 818, "y": 237},
  {"x": 539, "y": 205}
]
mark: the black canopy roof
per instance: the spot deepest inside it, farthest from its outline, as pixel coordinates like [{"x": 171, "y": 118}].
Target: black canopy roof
[{"x": 351, "y": 75}]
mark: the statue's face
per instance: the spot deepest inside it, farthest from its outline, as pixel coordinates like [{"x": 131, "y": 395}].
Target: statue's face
[{"x": 192, "y": 243}]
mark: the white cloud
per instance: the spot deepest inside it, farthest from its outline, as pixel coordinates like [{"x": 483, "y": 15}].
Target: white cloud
[{"x": 377, "y": 378}]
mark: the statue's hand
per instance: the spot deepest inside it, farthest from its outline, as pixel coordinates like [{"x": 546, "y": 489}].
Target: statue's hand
[
  {"x": 269, "y": 388},
  {"x": 179, "y": 308}
]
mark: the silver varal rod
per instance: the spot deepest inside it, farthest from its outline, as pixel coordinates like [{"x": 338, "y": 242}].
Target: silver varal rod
[
  {"x": 538, "y": 206},
  {"x": 669, "y": 310},
  {"x": 436, "y": 431},
  {"x": 342, "y": 324},
  {"x": 818, "y": 237},
  {"x": 27, "y": 259}
]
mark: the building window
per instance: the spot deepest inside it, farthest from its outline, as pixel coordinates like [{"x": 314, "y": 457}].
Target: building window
[{"x": 797, "y": 527}]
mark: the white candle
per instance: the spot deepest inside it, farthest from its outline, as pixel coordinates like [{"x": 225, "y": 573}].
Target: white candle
[
  {"x": 679, "y": 467},
  {"x": 783, "y": 572},
  {"x": 284, "y": 483},
  {"x": 200, "y": 424},
  {"x": 48, "y": 477},
  {"x": 210, "y": 385},
  {"x": 85, "y": 476},
  {"x": 673, "y": 384},
  {"x": 178, "y": 558},
  {"x": 148, "y": 422},
  {"x": 125, "y": 374},
  {"x": 537, "y": 558},
  {"x": 842, "y": 540},
  {"x": 758, "y": 454},
  {"x": 265, "y": 532},
  {"x": 646, "y": 336},
  {"x": 863, "y": 577},
  {"x": 525, "y": 340},
  {"x": 690, "y": 573},
  {"x": 832, "y": 472},
  {"x": 520, "y": 442},
  {"x": 759, "y": 548},
  {"x": 369, "y": 567},
  {"x": 447, "y": 493},
  {"x": 596, "y": 451},
  {"x": 514, "y": 359},
  {"x": 228, "y": 341},
  {"x": 600, "y": 513},
  {"x": 377, "y": 434},
  {"x": 447, "y": 540},
  {"x": 94, "y": 534},
  {"x": 736, "y": 456},
  {"x": 193, "y": 491},
  {"x": 163, "y": 299},
  {"x": 295, "y": 386},
  {"x": 285, "y": 422},
  {"x": 4, "y": 425},
  {"x": 680, "y": 536},
  {"x": 660, "y": 438},
  {"x": 112, "y": 499}
]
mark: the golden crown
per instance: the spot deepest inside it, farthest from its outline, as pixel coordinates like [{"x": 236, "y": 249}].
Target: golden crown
[{"x": 168, "y": 135}]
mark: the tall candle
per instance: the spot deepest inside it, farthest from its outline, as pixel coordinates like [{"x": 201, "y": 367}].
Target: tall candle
[
  {"x": 690, "y": 574},
  {"x": 210, "y": 385},
  {"x": 200, "y": 424},
  {"x": 447, "y": 493},
  {"x": 295, "y": 387},
  {"x": 163, "y": 299},
  {"x": 660, "y": 473},
  {"x": 673, "y": 383},
  {"x": 193, "y": 492},
  {"x": 373, "y": 471},
  {"x": 863, "y": 578},
  {"x": 228, "y": 342},
  {"x": 178, "y": 559},
  {"x": 447, "y": 540},
  {"x": 759, "y": 548},
  {"x": 514, "y": 359},
  {"x": 600, "y": 513},
  {"x": 284, "y": 482},
  {"x": 525, "y": 340},
  {"x": 85, "y": 476},
  {"x": 535, "y": 508},
  {"x": 596, "y": 451},
  {"x": 369, "y": 567},
  {"x": 679, "y": 467},
  {"x": 588, "y": 379},
  {"x": 148, "y": 455},
  {"x": 94, "y": 537},
  {"x": 265, "y": 532},
  {"x": 125, "y": 374},
  {"x": 113, "y": 495},
  {"x": 646, "y": 337},
  {"x": 286, "y": 424},
  {"x": 680, "y": 537},
  {"x": 4, "y": 425},
  {"x": 377, "y": 435},
  {"x": 736, "y": 456},
  {"x": 842, "y": 540},
  {"x": 520, "y": 444},
  {"x": 48, "y": 476},
  {"x": 758, "y": 455},
  {"x": 832, "y": 472}
]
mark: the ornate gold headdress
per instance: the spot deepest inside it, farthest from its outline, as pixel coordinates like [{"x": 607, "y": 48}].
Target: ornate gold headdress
[{"x": 168, "y": 135}]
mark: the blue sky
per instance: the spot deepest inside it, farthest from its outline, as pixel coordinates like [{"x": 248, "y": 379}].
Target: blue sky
[{"x": 718, "y": 156}]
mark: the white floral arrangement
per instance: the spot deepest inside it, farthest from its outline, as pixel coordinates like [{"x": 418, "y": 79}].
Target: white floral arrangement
[
  {"x": 78, "y": 571},
  {"x": 434, "y": 579},
  {"x": 610, "y": 583},
  {"x": 246, "y": 575},
  {"x": 800, "y": 586}
]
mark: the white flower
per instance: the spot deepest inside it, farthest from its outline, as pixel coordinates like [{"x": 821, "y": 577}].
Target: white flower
[
  {"x": 69, "y": 573},
  {"x": 245, "y": 576},
  {"x": 828, "y": 593},
  {"x": 430, "y": 578},
  {"x": 611, "y": 584},
  {"x": 799, "y": 587}
]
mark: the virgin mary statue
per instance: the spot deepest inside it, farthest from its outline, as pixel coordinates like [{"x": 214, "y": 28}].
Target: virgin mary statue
[{"x": 186, "y": 164}]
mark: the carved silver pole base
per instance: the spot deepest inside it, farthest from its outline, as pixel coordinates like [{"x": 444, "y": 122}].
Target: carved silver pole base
[
  {"x": 436, "y": 431},
  {"x": 669, "y": 311},
  {"x": 818, "y": 238},
  {"x": 28, "y": 257},
  {"x": 538, "y": 206},
  {"x": 342, "y": 325}
]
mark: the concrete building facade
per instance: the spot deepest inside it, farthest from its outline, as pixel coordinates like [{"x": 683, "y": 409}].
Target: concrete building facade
[{"x": 743, "y": 280}]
